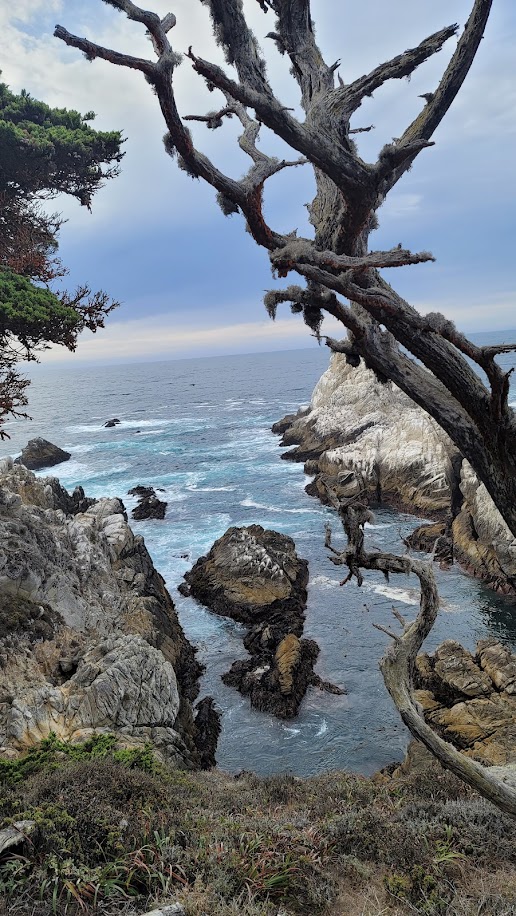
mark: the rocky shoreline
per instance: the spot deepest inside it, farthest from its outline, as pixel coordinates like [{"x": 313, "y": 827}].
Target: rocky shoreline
[
  {"x": 90, "y": 642},
  {"x": 360, "y": 436}
]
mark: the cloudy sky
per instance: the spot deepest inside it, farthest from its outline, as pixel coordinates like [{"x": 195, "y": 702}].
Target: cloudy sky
[{"x": 191, "y": 281}]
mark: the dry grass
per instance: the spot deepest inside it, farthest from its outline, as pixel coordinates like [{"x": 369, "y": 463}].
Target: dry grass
[{"x": 115, "y": 836}]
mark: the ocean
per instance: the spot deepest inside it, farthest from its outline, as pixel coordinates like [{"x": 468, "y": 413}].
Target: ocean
[{"x": 199, "y": 429}]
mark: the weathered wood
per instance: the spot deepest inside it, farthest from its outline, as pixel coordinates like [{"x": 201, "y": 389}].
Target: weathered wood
[{"x": 398, "y": 664}]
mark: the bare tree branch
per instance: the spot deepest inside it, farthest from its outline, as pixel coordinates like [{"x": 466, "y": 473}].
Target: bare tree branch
[
  {"x": 440, "y": 101},
  {"x": 296, "y": 33},
  {"x": 348, "y": 173},
  {"x": 346, "y": 100},
  {"x": 302, "y": 251},
  {"x": 92, "y": 50},
  {"x": 240, "y": 45}
]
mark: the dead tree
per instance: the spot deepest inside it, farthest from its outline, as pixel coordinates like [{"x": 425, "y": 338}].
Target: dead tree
[{"x": 341, "y": 275}]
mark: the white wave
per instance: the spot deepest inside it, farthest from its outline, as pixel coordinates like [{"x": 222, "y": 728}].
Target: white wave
[
  {"x": 249, "y": 503},
  {"x": 324, "y": 581},
  {"x": 72, "y": 469},
  {"x": 291, "y": 732},
  {"x": 407, "y": 596},
  {"x": 512, "y": 404},
  {"x": 376, "y": 527},
  {"x": 323, "y": 728},
  {"x": 124, "y": 424},
  {"x": 209, "y": 489},
  {"x": 80, "y": 449}
]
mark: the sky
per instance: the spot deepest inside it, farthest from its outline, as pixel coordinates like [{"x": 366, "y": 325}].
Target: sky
[{"x": 190, "y": 280}]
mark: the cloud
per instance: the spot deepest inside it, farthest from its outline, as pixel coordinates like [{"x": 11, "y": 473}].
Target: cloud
[
  {"x": 471, "y": 315},
  {"x": 400, "y": 204},
  {"x": 162, "y": 337}
]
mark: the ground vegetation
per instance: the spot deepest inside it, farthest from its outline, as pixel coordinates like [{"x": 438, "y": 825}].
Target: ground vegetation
[{"x": 116, "y": 832}]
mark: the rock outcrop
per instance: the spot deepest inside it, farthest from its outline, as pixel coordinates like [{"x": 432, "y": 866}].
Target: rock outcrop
[
  {"x": 149, "y": 506},
  {"x": 471, "y": 699},
  {"x": 89, "y": 637},
  {"x": 109, "y": 424},
  {"x": 39, "y": 453},
  {"x": 252, "y": 574},
  {"x": 255, "y": 576},
  {"x": 362, "y": 436}
]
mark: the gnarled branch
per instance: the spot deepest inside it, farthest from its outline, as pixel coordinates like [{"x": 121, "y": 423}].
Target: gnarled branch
[
  {"x": 398, "y": 664},
  {"x": 439, "y": 102},
  {"x": 347, "y": 99}
]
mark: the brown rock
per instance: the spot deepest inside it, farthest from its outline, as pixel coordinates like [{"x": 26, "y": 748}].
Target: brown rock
[
  {"x": 277, "y": 685},
  {"x": 40, "y": 453},
  {"x": 499, "y": 663},
  {"x": 473, "y": 707},
  {"x": 286, "y": 661},
  {"x": 456, "y": 673},
  {"x": 251, "y": 574}
]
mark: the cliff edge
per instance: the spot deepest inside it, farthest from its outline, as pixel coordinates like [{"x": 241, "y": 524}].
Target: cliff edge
[{"x": 90, "y": 642}]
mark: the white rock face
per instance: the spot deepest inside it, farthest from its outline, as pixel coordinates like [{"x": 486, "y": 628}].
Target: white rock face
[
  {"x": 389, "y": 443},
  {"x": 364, "y": 436},
  {"x": 89, "y": 638}
]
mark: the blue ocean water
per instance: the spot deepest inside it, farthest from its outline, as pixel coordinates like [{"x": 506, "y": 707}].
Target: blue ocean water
[{"x": 200, "y": 430}]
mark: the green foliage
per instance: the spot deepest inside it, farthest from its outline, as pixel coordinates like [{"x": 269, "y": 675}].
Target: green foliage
[
  {"x": 43, "y": 152},
  {"x": 117, "y": 832},
  {"x": 52, "y": 150},
  {"x": 34, "y": 314},
  {"x": 53, "y": 753}
]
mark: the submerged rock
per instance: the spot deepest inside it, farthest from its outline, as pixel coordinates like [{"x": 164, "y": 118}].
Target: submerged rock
[
  {"x": 471, "y": 699},
  {"x": 89, "y": 638},
  {"x": 111, "y": 423},
  {"x": 254, "y": 576},
  {"x": 39, "y": 453},
  {"x": 360, "y": 436}
]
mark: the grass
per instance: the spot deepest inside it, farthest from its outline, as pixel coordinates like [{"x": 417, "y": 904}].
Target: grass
[{"x": 117, "y": 833}]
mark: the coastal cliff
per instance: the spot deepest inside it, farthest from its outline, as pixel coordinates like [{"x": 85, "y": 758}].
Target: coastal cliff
[
  {"x": 90, "y": 642},
  {"x": 361, "y": 436}
]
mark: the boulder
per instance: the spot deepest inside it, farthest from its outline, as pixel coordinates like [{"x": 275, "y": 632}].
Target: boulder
[
  {"x": 470, "y": 699},
  {"x": 111, "y": 423},
  {"x": 89, "y": 637},
  {"x": 39, "y": 453},
  {"x": 277, "y": 683},
  {"x": 251, "y": 574}
]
